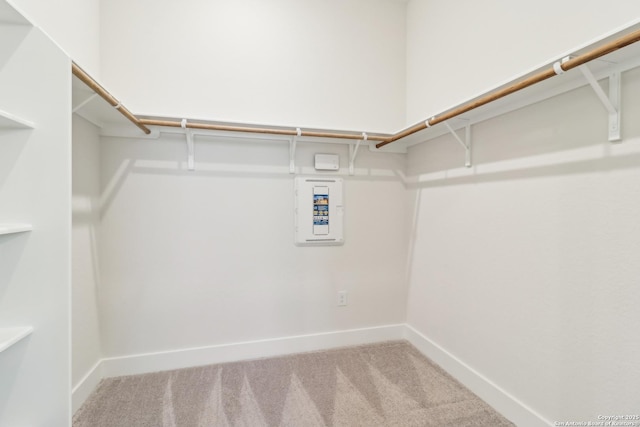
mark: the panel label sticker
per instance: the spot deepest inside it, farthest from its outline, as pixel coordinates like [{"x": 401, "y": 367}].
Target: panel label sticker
[{"x": 320, "y": 210}]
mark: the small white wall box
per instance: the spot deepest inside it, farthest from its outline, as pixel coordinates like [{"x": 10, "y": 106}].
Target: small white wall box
[
  {"x": 319, "y": 211},
  {"x": 327, "y": 162}
]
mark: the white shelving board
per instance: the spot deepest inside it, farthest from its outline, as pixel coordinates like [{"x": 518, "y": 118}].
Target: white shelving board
[
  {"x": 10, "y": 121},
  {"x": 10, "y": 336},
  {"x": 89, "y": 105},
  {"x": 14, "y": 228}
]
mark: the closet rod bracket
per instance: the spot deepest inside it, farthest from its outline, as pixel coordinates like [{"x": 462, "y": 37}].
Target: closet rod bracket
[
  {"x": 292, "y": 151},
  {"x": 611, "y": 102},
  {"x": 191, "y": 164},
  {"x": 85, "y": 102},
  {"x": 466, "y": 144},
  {"x": 353, "y": 152}
]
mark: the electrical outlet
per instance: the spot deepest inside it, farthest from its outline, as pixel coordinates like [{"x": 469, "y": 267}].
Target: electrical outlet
[{"x": 342, "y": 298}]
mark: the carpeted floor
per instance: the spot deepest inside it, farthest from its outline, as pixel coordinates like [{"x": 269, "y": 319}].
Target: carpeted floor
[{"x": 388, "y": 384}]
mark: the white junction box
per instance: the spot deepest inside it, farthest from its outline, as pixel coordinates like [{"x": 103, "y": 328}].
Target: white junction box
[
  {"x": 327, "y": 162},
  {"x": 319, "y": 211}
]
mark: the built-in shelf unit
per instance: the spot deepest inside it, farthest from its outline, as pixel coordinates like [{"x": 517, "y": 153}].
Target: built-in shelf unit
[{"x": 35, "y": 188}]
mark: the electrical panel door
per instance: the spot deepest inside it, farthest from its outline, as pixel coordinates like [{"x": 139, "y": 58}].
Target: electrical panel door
[{"x": 319, "y": 211}]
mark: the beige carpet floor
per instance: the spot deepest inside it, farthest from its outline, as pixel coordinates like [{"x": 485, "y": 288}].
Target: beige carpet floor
[{"x": 387, "y": 384}]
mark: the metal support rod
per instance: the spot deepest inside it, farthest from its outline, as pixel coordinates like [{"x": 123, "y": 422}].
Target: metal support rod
[
  {"x": 191, "y": 163},
  {"x": 611, "y": 102},
  {"x": 85, "y": 102},
  {"x": 467, "y": 156},
  {"x": 352, "y": 157},
  {"x": 615, "y": 89},
  {"x": 292, "y": 151},
  {"x": 598, "y": 89},
  {"x": 465, "y": 144},
  {"x": 353, "y": 152}
]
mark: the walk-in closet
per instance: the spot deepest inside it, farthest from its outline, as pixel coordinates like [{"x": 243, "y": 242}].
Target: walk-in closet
[{"x": 319, "y": 213}]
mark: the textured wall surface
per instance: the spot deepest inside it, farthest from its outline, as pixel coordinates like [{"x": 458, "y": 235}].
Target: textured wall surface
[
  {"x": 86, "y": 344},
  {"x": 208, "y": 257},
  {"x": 73, "y": 24},
  {"x": 524, "y": 266},
  {"x": 331, "y": 64},
  {"x": 457, "y": 53}
]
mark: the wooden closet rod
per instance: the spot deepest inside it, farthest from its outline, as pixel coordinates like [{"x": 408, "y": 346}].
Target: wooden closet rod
[
  {"x": 537, "y": 78},
  {"x": 288, "y": 132},
  {"x": 383, "y": 140},
  {"x": 95, "y": 86}
]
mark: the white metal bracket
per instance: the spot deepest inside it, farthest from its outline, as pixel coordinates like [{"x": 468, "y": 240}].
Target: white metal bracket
[
  {"x": 292, "y": 151},
  {"x": 611, "y": 102},
  {"x": 466, "y": 144},
  {"x": 191, "y": 164},
  {"x": 353, "y": 152},
  {"x": 85, "y": 102}
]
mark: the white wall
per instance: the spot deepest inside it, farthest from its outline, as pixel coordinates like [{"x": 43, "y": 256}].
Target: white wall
[
  {"x": 457, "y": 53},
  {"x": 525, "y": 266},
  {"x": 207, "y": 257},
  {"x": 329, "y": 64},
  {"x": 73, "y": 24},
  {"x": 86, "y": 346}
]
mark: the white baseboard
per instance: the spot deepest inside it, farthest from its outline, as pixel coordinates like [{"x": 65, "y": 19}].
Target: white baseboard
[
  {"x": 166, "y": 360},
  {"x": 510, "y": 407},
  {"x": 85, "y": 386}
]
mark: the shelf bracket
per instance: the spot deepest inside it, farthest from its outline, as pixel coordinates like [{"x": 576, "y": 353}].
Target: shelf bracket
[
  {"x": 191, "y": 163},
  {"x": 292, "y": 151},
  {"x": 353, "y": 152},
  {"x": 85, "y": 102},
  {"x": 466, "y": 144},
  {"x": 610, "y": 102}
]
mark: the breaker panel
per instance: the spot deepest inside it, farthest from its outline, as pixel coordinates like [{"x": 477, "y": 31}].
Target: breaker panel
[{"x": 319, "y": 211}]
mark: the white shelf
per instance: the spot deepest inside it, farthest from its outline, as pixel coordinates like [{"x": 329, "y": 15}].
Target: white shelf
[
  {"x": 90, "y": 106},
  {"x": 9, "y": 121},
  {"x": 10, "y": 336},
  {"x": 14, "y": 228}
]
